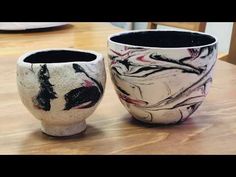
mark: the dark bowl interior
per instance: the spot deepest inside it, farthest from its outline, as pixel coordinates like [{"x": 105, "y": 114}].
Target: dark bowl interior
[
  {"x": 59, "y": 56},
  {"x": 167, "y": 39}
]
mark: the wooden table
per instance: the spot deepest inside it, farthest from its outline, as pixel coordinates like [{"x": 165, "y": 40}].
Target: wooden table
[{"x": 111, "y": 130}]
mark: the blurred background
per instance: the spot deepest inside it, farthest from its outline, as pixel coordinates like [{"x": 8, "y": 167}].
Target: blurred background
[{"x": 221, "y": 30}]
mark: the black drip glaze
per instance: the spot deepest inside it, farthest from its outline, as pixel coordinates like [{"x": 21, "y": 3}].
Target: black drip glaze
[
  {"x": 59, "y": 56},
  {"x": 46, "y": 92},
  {"x": 170, "y": 39}
]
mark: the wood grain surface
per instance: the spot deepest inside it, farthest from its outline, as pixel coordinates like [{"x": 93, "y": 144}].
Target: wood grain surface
[{"x": 111, "y": 130}]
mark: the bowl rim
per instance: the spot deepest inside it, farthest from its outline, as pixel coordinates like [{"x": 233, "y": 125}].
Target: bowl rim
[
  {"x": 161, "y": 48},
  {"x": 21, "y": 61}
]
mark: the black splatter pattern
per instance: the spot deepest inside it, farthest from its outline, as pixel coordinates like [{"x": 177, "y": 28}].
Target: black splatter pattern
[{"x": 85, "y": 96}]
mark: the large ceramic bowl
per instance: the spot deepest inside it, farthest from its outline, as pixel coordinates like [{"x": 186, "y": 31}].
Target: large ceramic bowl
[
  {"x": 61, "y": 87},
  {"x": 162, "y": 76}
]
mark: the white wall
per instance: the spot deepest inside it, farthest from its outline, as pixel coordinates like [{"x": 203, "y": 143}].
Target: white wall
[
  {"x": 222, "y": 30},
  {"x": 125, "y": 25}
]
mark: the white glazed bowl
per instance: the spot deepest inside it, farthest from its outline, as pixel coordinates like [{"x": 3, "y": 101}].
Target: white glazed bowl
[
  {"x": 61, "y": 87},
  {"x": 161, "y": 76}
]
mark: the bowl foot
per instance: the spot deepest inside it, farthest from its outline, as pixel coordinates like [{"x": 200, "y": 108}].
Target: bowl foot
[
  {"x": 63, "y": 130},
  {"x": 154, "y": 123}
]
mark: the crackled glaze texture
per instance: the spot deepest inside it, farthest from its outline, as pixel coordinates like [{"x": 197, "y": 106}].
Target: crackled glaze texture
[
  {"x": 62, "y": 94},
  {"x": 161, "y": 85}
]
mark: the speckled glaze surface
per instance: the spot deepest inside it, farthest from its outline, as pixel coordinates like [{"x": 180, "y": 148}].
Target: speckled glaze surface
[
  {"x": 61, "y": 94},
  {"x": 162, "y": 85}
]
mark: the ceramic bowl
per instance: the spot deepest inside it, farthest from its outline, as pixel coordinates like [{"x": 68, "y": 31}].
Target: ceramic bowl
[
  {"x": 162, "y": 76},
  {"x": 61, "y": 87}
]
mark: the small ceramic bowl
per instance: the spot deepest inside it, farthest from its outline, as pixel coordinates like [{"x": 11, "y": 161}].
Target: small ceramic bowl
[
  {"x": 61, "y": 87},
  {"x": 162, "y": 76}
]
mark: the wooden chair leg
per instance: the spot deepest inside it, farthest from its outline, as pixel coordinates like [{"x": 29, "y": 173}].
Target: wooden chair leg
[
  {"x": 151, "y": 25},
  {"x": 202, "y": 27},
  {"x": 232, "y": 50}
]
